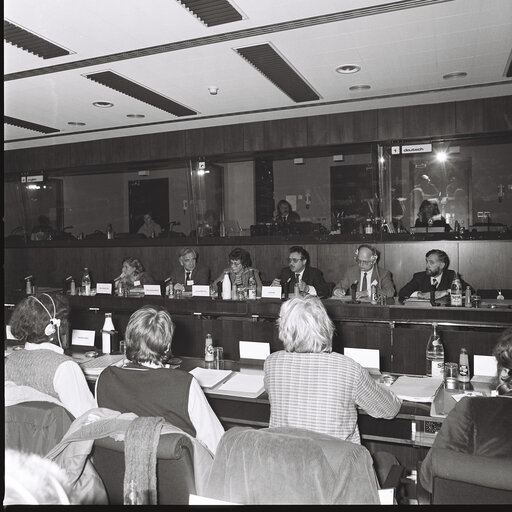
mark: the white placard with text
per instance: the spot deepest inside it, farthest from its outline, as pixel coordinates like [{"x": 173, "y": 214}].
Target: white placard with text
[
  {"x": 270, "y": 292},
  {"x": 200, "y": 290},
  {"x": 152, "y": 289},
  {"x": 105, "y": 288},
  {"x": 83, "y": 337}
]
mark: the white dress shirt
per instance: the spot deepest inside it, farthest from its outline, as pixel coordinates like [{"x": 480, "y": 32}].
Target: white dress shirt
[
  {"x": 368, "y": 281},
  {"x": 69, "y": 383}
]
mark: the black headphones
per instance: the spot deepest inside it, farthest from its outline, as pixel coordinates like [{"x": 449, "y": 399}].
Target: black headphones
[
  {"x": 54, "y": 324},
  {"x": 374, "y": 255}
]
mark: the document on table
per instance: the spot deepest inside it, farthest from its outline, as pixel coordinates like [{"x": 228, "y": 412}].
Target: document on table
[
  {"x": 416, "y": 389},
  {"x": 208, "y": 378},
  {"x": 243, "y": 384},
  {"x": 93, "y": 367}
]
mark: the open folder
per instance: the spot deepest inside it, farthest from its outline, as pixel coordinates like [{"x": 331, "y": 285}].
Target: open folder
[{"x": 416, "y": 389}]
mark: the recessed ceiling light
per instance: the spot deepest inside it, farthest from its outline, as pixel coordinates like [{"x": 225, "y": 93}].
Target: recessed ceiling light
[
  {"x": 137, "y": 116},
  {"x": 76, "y": 123},
  {"x": 103, "y": 104},
  {"x": 213, "y": 90},
  {"x": 359, "y": 88},
  {"x": 346, "y": 69},
  {"x": 456, "y": 74}
]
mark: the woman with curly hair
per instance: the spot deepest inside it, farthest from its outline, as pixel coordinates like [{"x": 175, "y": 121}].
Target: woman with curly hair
[{"x": 133, "y": 274}]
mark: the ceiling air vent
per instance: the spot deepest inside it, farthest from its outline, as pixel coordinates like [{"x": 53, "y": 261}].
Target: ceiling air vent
[
  {"x": 266, "y": 59},
  {"x": 29, "y": 42},
  {"x": 134, "y": 90},
  {"x": 212, "y": 12},
  {"x": 28, "y": 125}
]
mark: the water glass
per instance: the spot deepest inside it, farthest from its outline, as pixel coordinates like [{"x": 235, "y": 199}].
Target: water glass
[
  {"x": 218, "y": 358},
  {"x": 451, "y": 374}
]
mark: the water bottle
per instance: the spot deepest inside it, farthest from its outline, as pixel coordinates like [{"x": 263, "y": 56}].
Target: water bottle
[
  {"x": 107, "y": 334},
  {"x": 373, "y": 298},
  {"x": 28, "y": 285},
  {"x": 435, "y": 354},
  {"x": 456, "y": 292},
  {"x": 234, "y": 292},
  {"x": 132, "y": 496},
  {"x": 86, "y": 282},
  {"x": 208, "y": 349},
  {"x": 110, "y": 232},
  {"x": 226, "y": 286},
  {"x": 368, "y": 228},
  {"x": 463, "y": 366},
  {"x": 72, "y": 287},
  {"x": 467, "y": 297},
  {"x": 252, "y": 286},
  {"x": 169, "y": 289}
]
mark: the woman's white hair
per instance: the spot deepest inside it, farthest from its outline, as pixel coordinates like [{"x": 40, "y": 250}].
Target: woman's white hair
[{"x": 304, "y": 325}]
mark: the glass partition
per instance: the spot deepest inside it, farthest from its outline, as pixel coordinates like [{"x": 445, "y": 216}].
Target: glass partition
[{"x": 363, "y": 189}]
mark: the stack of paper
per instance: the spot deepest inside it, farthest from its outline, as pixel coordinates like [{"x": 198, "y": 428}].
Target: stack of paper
[
  {"x": 243, "y": 384},
  {"x": 93, "y": 367},
  {"x": 416, "y": 389},
  {"x": 209, "y": 378}
]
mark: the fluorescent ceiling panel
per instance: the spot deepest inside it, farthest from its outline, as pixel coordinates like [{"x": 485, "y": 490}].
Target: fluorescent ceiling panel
[{"x": 20, "y": 123}]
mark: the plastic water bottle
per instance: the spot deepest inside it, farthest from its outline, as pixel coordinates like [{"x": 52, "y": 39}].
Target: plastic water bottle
[
  {"x": 435, "y": 354},
  {"x": 208, "y": 349},
  {"x": 456, "y": 292},
  {"x": 107, "y": 334},
  {"x": 226, "y": 287},
  {"x": 86, "y": 282},
  {"x": 110, "y": 232},
  {"x": 463, "y": 366},
  {"x": 252, "y": 286}
]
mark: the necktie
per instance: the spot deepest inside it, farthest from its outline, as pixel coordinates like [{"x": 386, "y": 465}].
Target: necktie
[
  {"x": 188, "y": 276},
  {"x": 434, "y": 283},
  {"x": 364, "y": 286},
  {"x": 297, "y": 278}
]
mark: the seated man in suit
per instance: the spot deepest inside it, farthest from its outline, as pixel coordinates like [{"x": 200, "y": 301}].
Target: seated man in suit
[
  {"x": 436, "y": 274},
  {"x": 190, "y": 273},
  {"x": 365, "y": 273},
  {"x": 310, "y": 279}
]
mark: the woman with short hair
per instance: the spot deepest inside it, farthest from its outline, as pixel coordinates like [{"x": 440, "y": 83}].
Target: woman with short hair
[{"x": 147, "y": 386}]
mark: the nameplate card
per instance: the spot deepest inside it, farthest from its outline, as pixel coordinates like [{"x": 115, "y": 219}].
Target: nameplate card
[
  {"x": 254, "y": 350},
  {"x": 200, "y": 290},
  {"x": 270, "y": 292},
  {"x": 105, "y": 288},
  {"x": 83, "y": 337},
  {"x": 136, "y": 283},
  {"x": 8, "y": 333},
  {"x": 485, "y": 366},
  {"x": 152, "y": 289},
  {"x": 366, "y": 357}
]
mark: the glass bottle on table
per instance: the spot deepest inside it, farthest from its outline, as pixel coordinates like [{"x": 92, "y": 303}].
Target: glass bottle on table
[
  {"x": 456, "y": 291},
  {"x": 86, "y": 282},
  {"x": 435, "y": 354},
  {"x": 251, "y": 292},
  {"x": 463, "y": 366},
  {"x": 107, "y": 334},
  {"x": 226, "y": 286}
]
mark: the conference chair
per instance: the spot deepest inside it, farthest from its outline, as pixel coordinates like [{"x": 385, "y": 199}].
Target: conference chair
[
  {"x": 461, "y": 478},
  {"x": 35, "y": 427},
  {"x": 290, "y": 466},
  {"x": 174, "y": 468}
]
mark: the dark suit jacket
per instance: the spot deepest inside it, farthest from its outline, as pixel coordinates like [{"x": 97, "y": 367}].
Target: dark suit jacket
[
  {"x": 200, "y": 275},
  {"x": 311, "y": 276},
  {"x": 420, "y": 282},
  {"x": 353, "y": 273}
]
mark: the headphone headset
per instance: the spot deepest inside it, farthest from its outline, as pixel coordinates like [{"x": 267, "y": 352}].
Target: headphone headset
[
  {"x": 54, "y": 324},
  {"x": 374, "y": 255}
]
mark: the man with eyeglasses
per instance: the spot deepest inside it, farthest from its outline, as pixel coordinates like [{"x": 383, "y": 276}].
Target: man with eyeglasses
[
  {"x": 310, "y": 279},
  {"x": 190, "y": 273},
  {"x": 365, "y": 273}
]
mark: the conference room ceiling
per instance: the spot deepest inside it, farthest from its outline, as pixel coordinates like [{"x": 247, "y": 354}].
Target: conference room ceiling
[{"x": 164, "y": 65}]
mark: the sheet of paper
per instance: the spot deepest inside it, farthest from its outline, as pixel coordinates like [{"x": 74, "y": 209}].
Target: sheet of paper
[
  {"x": 366, "y": 357},
  {"x": 243, "y": 384},
  {"x": 485, "y": 366},
  {"x": 459, "y": 396},
  {"x": 416, "y": 389},
  {"x": 254, "y": 350},
  {"x": 208, "y": 378}
]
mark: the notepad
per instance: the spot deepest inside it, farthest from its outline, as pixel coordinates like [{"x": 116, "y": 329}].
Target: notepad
[
  {"x": 208, "y": 378},
  {"x": 243, "y": 384},
  {"x": 95, "y": 366},
  {"x": 416, "y": 389}
]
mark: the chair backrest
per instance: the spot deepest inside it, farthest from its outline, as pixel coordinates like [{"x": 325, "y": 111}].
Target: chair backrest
[
  {"x": 35, "y": 427},
  {"x": 461, "y": 478},
  {"x": 290, "y": 466},
  {"x": 175, "y": 468}
]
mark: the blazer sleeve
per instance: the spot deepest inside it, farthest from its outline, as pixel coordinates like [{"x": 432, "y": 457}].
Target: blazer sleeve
[
  {"x": 202, "y": 276},
  {"x": 346, "y": 281},
  {"x": 412, "y": 286},
  {"x": 386, "y": 283},
  {"x": 318, "y": 281}
]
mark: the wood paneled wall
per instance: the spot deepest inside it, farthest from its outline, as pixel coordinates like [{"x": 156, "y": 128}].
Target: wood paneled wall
[
  {"x": 483, "y": 264},
  {"x": 435, "y": 120}
]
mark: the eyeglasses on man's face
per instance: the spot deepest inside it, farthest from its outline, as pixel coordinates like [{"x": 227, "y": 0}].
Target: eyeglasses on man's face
[
  {"x": 363, "y": 262},
  {"x": 295, "y": 260}
]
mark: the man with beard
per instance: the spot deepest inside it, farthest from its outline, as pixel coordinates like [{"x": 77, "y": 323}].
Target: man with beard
[
  {"x": 436, "y": 274},
  {"x": 310, "y": 279}
]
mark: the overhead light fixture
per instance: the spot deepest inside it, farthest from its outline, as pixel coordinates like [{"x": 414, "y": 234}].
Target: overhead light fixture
[
  {"x": 456, "y": 74},
  {"x": 76, "y": 123},
  {"x": 136, "y": 116},
  {"x": 347, "y": 69},
  {"x": 213, "y": 90},
  {"x": 103, "y": 104},
  {"x": 359, "y": 87},
  {"x": 337, "y": 158}
]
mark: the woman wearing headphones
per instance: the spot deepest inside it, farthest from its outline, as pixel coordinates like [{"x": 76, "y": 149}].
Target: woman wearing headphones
[
  {"x": 38, "y": 322},
  {"x": 365, "y": 273}
]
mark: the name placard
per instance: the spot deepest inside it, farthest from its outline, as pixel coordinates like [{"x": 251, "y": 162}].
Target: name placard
[
  {"x": 270, "y": 292},
  {"x": 105, "y": 288},
  {"x": 8, "y": 333},
  {"x": 152, "y": 289},
  {"x": 82, "y": 337},
  {"x": 200, "y": 290}
]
